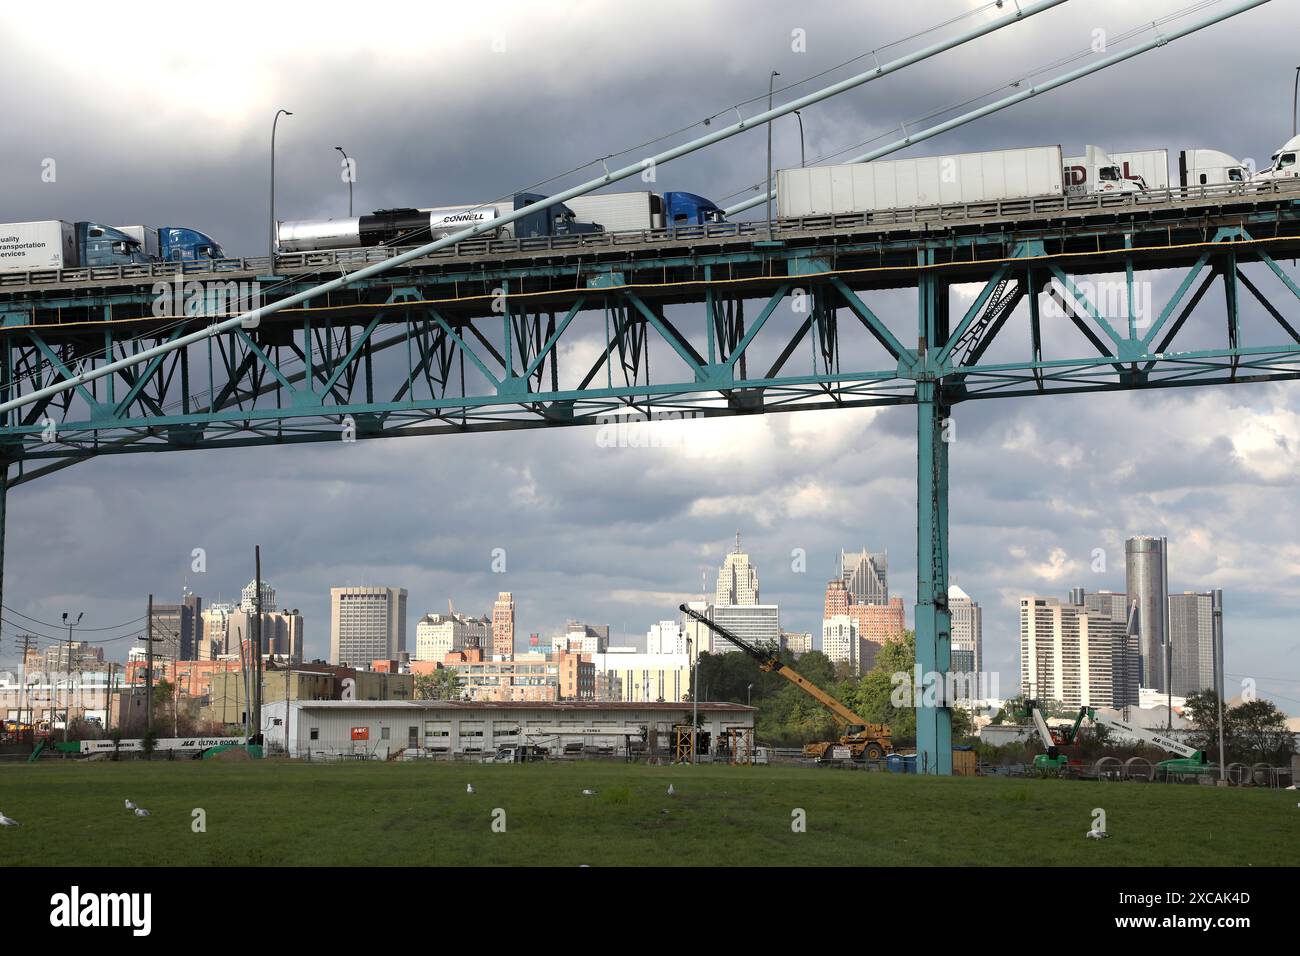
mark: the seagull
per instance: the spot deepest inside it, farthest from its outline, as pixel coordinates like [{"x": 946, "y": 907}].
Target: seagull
[
  {"x": 129, "y": 804},
  {"x": 469, "y": 788},
  {"x": 141, "y": 812},
  {"x": 8, "y": 821},
  {"x": 671, "y": 791},
  {"x": 589, "y": 793},
  {"x": 1095, "y": 834}
]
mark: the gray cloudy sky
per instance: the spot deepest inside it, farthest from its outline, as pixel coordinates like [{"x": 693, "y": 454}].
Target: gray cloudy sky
[{"x": 165, "y": 117}]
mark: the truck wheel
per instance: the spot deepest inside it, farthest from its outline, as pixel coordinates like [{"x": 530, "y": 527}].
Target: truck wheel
[{"x": 872, "y": 752}]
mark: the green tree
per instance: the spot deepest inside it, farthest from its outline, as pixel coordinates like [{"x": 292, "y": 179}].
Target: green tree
[
  {"x": 1202, "y": 710},
  {"x": 1260, "y": 728},
  {"x": 442, "y": 684}
]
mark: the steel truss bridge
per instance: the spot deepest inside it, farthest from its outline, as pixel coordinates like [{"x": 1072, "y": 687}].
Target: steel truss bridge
[
  {"x": 456, "y": 343},
  {"x": 471, "y": 334}
]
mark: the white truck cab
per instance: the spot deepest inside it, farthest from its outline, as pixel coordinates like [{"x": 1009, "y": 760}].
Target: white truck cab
[
  {"x": 1284, "y": 163},
  {"x": 1096, "y": 172}
]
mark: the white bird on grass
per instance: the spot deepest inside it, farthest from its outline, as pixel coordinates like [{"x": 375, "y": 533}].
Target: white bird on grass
[
  {"x": 671, "y": 791},
  {"x": 141, "y": 812},
  {"x": 129, "y": 804},
  {"x": 1095, "y": 834},
  {"x": 8, "y": 821},
  {"x": 589, "y": 793},
  {"x": 469, "y": 788}
]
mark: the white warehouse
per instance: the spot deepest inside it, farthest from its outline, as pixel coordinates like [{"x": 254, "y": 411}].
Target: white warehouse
[{"x": 380, "y": 729}]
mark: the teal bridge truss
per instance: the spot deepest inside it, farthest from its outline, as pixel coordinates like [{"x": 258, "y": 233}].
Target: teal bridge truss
[{"x": 498, "y": 335}]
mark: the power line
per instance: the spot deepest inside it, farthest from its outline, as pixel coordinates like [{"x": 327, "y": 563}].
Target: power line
[{"x": 111, "y": 627}]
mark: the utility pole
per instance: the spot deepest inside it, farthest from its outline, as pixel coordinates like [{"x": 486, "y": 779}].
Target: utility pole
[
  {"x": 22, "y": 681},
  {"x": 148, "y": 669},
  {"x": 243, "y": 673},
  {"x": 67, "y": 704},
  {"x": 257, "y": 642},
  {"x": 1217, "y": 602}
]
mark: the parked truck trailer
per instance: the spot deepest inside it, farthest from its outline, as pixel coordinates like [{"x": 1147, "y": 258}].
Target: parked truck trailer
[{"x": 924, "y": 181}]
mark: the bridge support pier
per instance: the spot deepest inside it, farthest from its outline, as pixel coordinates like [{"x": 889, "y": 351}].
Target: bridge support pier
[{"x": 933, "y": 622}]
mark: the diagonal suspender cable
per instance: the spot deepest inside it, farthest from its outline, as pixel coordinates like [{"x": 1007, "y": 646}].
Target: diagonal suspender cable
[
  {"x": 1158, "y": 40},
  {"x": 252, "y": 318}
]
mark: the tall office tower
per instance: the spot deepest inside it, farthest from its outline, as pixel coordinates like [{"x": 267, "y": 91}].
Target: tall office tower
[
  {"x": 1146, "y": 565},
  {"x": 866, "y": 575},
  {"x": 873, "y": 625},
  {"x": 838, "y": 599},
  {"x": 737, "y": 579},
  {"x": 248, "y": 597},
  {"x": 503, "y": 626},
  {"x": 216, "y": 632},
  {"x": 1077, "y": 658},
  {"x": 176, "y": 629},
  {"x": 1196, "y": 633},
  {"x": 366, "y": 624},
  {"x": 967, "y": 630},
  {"x": 666, "y": 637}
]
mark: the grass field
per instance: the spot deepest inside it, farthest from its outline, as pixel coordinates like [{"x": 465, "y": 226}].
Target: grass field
[{"x": 287, "y": 813}]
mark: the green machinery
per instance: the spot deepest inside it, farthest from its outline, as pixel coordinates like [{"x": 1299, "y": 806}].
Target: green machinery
[{"x": 1055, "y": 763}]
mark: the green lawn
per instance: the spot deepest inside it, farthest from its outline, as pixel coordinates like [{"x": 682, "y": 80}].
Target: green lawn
[{"x": 286, "y": 813}]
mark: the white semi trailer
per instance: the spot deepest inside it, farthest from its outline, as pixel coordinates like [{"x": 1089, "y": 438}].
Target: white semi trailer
[
  {"x": 925, "y": 181},
  {"x": 26, "y": 246},
  {"x": 1149, "y": 168}
]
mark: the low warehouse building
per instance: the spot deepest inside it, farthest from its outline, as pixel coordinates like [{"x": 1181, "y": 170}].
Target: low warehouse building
[{"x": 381, "y": 728}]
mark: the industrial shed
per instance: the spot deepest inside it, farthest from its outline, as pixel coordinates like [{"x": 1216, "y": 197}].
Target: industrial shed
[{"x": 380, "y": 729}]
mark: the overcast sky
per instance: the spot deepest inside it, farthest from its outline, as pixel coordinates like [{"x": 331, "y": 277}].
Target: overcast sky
[{"x": 164, "y": 118}]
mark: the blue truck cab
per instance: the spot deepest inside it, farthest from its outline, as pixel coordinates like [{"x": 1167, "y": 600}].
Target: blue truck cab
[
  {"x": 182, "y": 244},
  {"x": 100, "y": 245},
  {"x": 558, "y": 220},
  {"x": 688, "y": 209}
]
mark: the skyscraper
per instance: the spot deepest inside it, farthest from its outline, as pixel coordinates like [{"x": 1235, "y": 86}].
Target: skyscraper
[
  {"x": 366, "y": 624},
  {"x": 503, "y": 626},
  {"x": 737, "y": 579},
  {"x": 1146, "y": 566},
  {"x": 1077, "y": 658},
  {"x": 967, "y": 628},
  {"x": 177, "y": 629},
  {"x": 866, "y": 575},
  {"x": 1195, "y": 633},
  {"x": 248, "y": 597}
]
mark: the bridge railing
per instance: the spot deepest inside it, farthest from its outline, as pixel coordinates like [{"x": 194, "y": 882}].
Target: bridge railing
[{"x": 336, "y": 260}]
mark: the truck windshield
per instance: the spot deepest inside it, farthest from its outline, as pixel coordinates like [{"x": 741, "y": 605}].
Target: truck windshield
[{"x": 1109, "y": 174}]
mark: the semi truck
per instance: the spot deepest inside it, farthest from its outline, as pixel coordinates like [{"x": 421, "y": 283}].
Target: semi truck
[
  {"x": 925, "y": 181},
  {"x": 409, "y": 227},
  {"x": 1283, "y": 164},
  {"x": 174, "y": 243},
  {"x": 1209, "y": 167},
  {"x": 1149, "y": 168},
  {"x": 1097, "y": 172},
  {"x": 56, "y": 244},
  {"x": 635, "y": 211}
]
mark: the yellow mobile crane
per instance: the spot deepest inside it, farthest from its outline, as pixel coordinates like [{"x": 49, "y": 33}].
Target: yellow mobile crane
[{"x": 865, "y": 741}]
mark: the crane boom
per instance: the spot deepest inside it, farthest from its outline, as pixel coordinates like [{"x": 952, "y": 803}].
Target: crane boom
[{"x": 769, "y": 662}]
